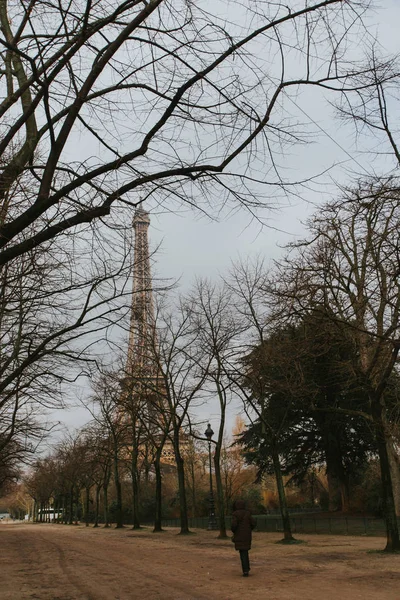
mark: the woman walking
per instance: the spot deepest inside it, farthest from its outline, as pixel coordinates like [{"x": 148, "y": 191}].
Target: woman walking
[{"x": 242, "y": 525}]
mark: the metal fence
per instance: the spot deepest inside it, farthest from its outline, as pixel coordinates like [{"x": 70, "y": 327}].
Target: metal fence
[
  {"x": 334, "y": 525},
  {"x": 304, "y": 524}
]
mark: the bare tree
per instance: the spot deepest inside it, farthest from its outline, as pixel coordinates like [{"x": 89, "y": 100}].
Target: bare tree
[
  {"x": 72, "y": 467},
  {"x": 373, "y": 109},
  {"x": 247, "y": 285},
  {"x": 136, "y": 410},
  {"x": 107, "y": 411},
  {"x": 203, "y": 91},
  {"x": 18, "y": 502},
  {"x": 237, "y": 476},
  {"x": 156, "y": 421},
  {"x": 182, "y": 368},
  {"x": 54, "y": 306},
  {"x": 218, "y": 336},
  {"x": 157, "y": 392},
  {"x": 107, "y": 105},
  {"x": 11, "y": 459},
  {"x": 100, "y": 465}
]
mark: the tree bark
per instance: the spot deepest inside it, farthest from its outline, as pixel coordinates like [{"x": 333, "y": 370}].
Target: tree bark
[
  {"x": 87, "y": 504},
  {"x": 194, "y": 495},
  {"x": 335, "y": 471},
  {"x": 96, "y": 513},
  {"x": 395, "y": 473},
  {"x": 383, "y": 440},
  {"x": 56, "y": 510},
  {"x": 118, "y": 490},
  {"x": 105, "y": 502},
  {"x": 158, "y": 507},
  {"x": 33, "y": 510},
  {"x": 334, "y": 497},
  {"x": 135, "y": 485},
  {"x": 344, "y": 495},
  {"x": 220, "y": 493},
  {"x": 135, "y": 499},
  {"x": 71, "y": 506},
  {"x": 287, "y": 530},
  {"x": 181, "y": 485},
  {"x": 64, "y": 515},
  {"x": 217, "y": 456}
]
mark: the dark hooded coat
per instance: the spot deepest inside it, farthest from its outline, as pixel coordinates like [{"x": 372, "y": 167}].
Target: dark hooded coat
[{"x": 242, "y": 525}]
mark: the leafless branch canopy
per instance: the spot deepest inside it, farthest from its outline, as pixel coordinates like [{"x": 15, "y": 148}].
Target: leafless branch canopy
[{"x": 106, "y": 104}]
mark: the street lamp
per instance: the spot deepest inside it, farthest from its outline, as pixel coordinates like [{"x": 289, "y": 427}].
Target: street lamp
[{"x": 212, "y": 520}]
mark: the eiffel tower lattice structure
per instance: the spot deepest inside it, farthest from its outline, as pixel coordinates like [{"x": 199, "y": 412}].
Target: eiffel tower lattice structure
[
  {"x": 142, "y": 325},
  {"x": 143, "y": 378}
]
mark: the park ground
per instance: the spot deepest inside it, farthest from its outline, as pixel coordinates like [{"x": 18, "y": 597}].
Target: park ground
[{"x": 59, "y": 562}]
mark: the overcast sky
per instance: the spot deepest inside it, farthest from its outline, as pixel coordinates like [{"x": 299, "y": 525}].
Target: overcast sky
[{"x": 192, "y": 245}]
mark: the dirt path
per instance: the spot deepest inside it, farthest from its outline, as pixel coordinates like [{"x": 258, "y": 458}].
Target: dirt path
[{"x": 55, "y": 562}]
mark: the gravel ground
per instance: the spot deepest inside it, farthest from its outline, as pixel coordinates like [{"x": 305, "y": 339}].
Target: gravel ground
[{"x": 59, "y": 562}]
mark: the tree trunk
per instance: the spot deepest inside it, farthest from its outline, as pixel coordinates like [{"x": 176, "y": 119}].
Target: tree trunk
[
  {"x": 158, "y": 507},
  {"x": 344, "y": 495},
  {"x": 383, "y": 439},
  {"x": 194, "y": 499},
  {"x": 105, "y": 502},
  {"x": 330, "y": 431},
  {"x": 182, "y": 497},
  {"x": 287, "y": 531},
  {"x": 64, "y": 511},
  {"x": 71, "y": 506},
  {"x": 87, "y": 504},
  {"x": 217, "y": 458},
  {"x": 395, "y": 474},
  {"x": 78, "y": 507},
  {"x": 220, "y": 493},
  {"x": 334, "y": 497},
  {"x": 135, "y": 500},
  {"x": 147, "y": 464},
  {"x": 96, "y": 512},
  {"x": 118, "y": 490},
  {"x": 181, "y": 485},
  {"x": 135, "y": 491}
]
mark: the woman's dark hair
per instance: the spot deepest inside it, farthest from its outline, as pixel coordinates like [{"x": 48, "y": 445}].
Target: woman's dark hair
[{"x": 238, "y": 504}]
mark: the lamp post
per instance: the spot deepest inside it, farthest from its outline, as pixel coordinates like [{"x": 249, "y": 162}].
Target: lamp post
[{"x": 212, "y": 520}]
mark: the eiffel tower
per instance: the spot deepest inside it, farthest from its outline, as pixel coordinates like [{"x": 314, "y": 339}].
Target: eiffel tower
[
  {"x": 142, "y": 371},
  {"x": 142, "y": 341}
]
